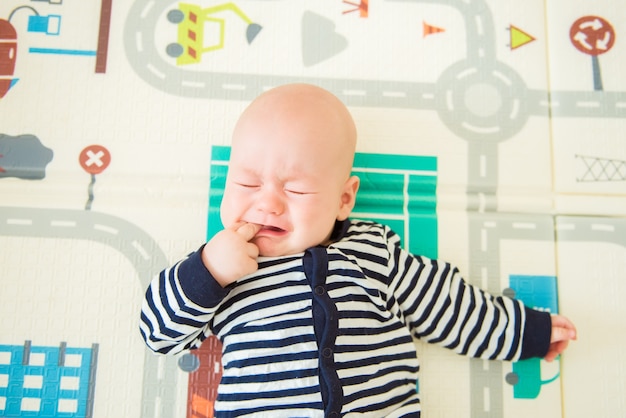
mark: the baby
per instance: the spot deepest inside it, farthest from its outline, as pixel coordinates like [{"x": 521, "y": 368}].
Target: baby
[{"x": 317, "y": 312}]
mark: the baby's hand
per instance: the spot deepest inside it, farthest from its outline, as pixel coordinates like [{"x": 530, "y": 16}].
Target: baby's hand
[
  {"x": 563, "y": 330},
  {"x": 230, "y": 255}
]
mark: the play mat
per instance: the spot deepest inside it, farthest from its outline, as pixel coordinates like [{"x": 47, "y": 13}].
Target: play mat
[{"x": 491, "y": 135}]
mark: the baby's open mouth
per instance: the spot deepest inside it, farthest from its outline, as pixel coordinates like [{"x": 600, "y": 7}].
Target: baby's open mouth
[{"x": 271, "y": 228}]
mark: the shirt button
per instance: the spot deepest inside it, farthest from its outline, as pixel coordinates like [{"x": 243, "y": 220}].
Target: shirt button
[
  {"x": 319, "y": 290},
  {"x": 327, "y": 352},
  {"x": 333, "y": 414}
]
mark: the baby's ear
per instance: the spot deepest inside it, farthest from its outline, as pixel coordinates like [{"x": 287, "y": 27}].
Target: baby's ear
[{"x": 348, "y": 197}]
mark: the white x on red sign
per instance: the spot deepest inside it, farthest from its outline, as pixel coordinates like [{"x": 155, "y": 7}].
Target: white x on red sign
[{"x": 94, "y": 159}]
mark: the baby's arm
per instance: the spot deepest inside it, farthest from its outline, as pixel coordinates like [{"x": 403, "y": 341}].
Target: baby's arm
[
  {"x": 440, "y": 307},
  {"x": 563, "y": 330},
  {"x": 181, "y": 300}
]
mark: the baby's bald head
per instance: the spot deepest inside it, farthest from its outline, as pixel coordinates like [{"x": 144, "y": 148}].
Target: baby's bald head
[{"x": 306, "y": 114}]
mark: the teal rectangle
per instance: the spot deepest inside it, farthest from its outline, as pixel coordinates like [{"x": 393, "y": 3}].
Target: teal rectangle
[
  {"x": 220, "y": 153},
  {"x": 395, "y": 162},
  {"x": 537, "y": 292},
  {"x": 216, "y": 191},
  {"x": 422, "y": 192},
  {"x": 380, "y": 193},
  {"x": 54, "y": 51},
  {"x": 423, "y": 233}
]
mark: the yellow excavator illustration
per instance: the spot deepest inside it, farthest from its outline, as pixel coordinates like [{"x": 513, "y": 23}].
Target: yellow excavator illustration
[{"x": 191, "y": 20}]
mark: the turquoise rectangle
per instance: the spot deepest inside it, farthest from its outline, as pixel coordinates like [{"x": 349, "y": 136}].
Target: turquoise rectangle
[
  {"x": 380, "y": 193},
  {"x": 220, "y": 153},
  {"x": 395, "y": 162},
  {"x": 55, "y": 51}
]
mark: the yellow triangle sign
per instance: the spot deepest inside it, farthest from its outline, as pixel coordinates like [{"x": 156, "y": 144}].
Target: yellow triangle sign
[{"x": 519, "y": 37}]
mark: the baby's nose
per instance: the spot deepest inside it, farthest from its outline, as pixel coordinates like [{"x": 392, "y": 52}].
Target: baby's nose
[{"x": 271, "y": 202}]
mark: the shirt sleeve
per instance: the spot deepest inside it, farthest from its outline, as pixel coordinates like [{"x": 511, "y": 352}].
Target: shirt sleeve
[
  {"x": 179, "y": 305},
  {"x": 440, "y": 307},
  {"x": 537, "y": 334}
]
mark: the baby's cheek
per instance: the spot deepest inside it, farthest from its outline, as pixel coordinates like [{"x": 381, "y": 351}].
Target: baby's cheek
[{"x": 227, "y": 213}]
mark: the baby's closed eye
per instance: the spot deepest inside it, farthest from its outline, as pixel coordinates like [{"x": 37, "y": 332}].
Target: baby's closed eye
[
  {"x": 297, "y": 192},
  {"x": 247, "y": 185}
]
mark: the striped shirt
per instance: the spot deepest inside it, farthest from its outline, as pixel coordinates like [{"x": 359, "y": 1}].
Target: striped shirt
[{"x": 329, "y": 332}]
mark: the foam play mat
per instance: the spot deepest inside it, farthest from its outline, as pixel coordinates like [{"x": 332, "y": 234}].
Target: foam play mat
[{"x": 490, "y": 135}]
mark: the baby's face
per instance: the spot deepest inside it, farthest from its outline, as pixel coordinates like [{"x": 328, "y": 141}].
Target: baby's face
[
  {"x": 294, "y": 193},
  {"x": 289, "y": 172}
]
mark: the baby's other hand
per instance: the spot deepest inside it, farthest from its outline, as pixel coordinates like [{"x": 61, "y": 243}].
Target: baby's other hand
[
  {"x": 563, "y": 330},
  {"x": 230, "y": 255}
]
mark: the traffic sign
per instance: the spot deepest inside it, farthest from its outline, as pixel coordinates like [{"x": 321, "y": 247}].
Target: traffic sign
[
  {"x": 518, "y": 37},
  {"x": 94, "y": 159},
  {"x": 428, "y": 29},
  {"x": 592, "y": 35}
]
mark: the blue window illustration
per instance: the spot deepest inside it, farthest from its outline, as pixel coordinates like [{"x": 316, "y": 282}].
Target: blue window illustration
[
  {"x": 537, "y": 292},
  {"x": 396, "y": 190},
  {"x": 50, "y": 25},
  {"x": 47, "y": 381}
]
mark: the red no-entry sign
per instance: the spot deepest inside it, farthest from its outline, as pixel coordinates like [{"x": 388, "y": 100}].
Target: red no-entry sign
[{"x": 94, "y": 159}]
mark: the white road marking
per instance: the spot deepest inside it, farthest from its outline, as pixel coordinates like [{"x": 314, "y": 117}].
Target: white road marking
[
  {"x": 155, "y": 71},
  {"x": 146, "y": 10},
  {"x": 142, "y": 251},
  {"x": 105, "y": 228},
  {"x": 64, "y": 224},
  {"x": 588, "y": 104},
  {"x": 194, "y": 84},
  {"x": 139, "y": 41},
  {"x": 239, "y": 87},
  {"x": 19, "y": 221},
  {"x": 524, "y": 225},
  {"x": 399, "y": 94},
  {"x": 602, "y": 227}
]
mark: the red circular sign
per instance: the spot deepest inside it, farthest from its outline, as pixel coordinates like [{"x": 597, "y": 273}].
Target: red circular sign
[
  {"x": 592, "y": 35},
  {"x": 94, "y": 159}
]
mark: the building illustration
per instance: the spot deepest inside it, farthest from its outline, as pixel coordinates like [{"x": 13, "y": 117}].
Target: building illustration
[{"x": 47, "y": 381}]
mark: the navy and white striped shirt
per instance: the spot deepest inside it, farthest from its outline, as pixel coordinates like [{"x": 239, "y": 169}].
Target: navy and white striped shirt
[{"x": 329, "y": 332}]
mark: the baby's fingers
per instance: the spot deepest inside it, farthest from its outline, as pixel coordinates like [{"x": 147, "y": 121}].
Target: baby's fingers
[
  {"x": 252, "y": 250},
  {"x": 247, "y": 230},
  {"x": 562, "y": 329},
  {"x": 562, "y": 334},
  {"x": 556, "y": 349}
]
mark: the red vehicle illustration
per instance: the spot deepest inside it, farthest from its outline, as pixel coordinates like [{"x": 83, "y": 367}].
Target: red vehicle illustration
[
  {"x": 8, "y": 55},
  {"x": 204, "y": 366}
]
